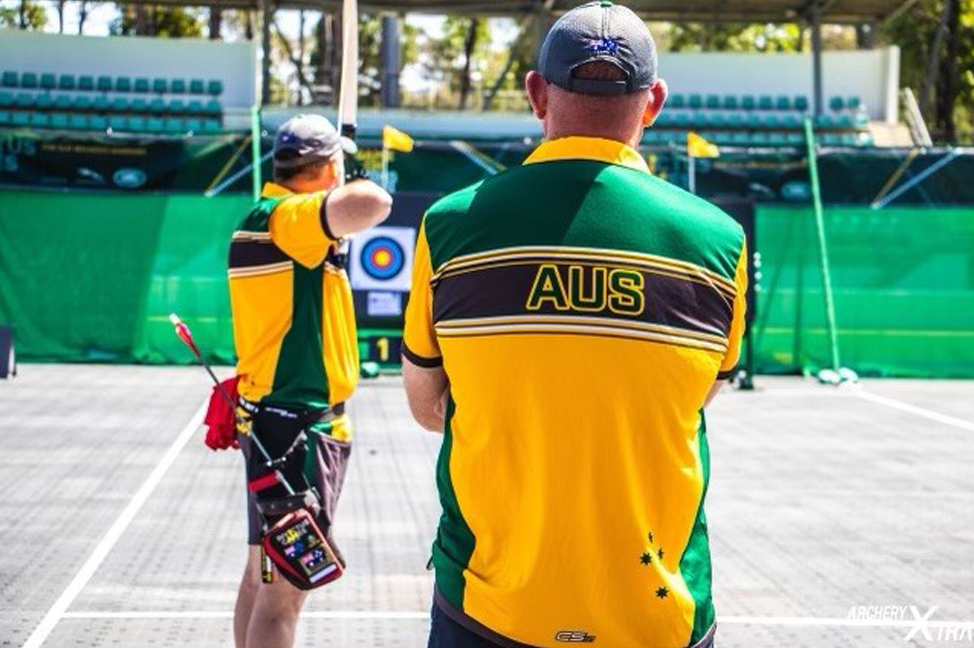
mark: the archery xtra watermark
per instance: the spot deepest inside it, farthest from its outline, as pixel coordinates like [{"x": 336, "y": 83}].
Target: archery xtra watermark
[{"x": 919, "y": 624}]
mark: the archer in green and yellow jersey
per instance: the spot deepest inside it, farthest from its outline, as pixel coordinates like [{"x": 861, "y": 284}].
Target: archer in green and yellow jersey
[
  {"x": 582, "y": 310},
  {"x": 293, "y": 318}
]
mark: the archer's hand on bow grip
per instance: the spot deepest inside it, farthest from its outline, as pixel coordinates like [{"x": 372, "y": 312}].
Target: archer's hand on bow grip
[{"x": 354, "y": 169}]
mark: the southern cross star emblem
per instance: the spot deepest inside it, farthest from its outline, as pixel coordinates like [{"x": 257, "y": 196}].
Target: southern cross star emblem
[
  {"x": 646, "y": 558},
  {"x": 662, "y": 592},
  {"x": 604, "y": 45},
  {"x": 660, "y": 553},
  {"x": 650, "y": 536}
]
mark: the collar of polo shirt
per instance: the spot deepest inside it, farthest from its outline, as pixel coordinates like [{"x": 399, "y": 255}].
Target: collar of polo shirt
[
  {"x": 274, "y": 190},
  {"x": 588, "y": 148}
]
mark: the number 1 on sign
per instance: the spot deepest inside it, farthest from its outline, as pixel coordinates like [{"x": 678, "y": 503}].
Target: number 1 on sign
[{"x": 383, "y": 345}]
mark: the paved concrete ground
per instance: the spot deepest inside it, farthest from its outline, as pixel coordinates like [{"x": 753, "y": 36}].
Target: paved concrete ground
[{"x": 821, "y": 500}]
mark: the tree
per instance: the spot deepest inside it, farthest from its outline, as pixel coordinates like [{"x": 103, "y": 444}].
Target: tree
[
  {"x": 162, "y": 22},
  {"x": 464, "y": 41},
  {"x": 27, "y": 15},
  {"x": 936, "y": 40}
]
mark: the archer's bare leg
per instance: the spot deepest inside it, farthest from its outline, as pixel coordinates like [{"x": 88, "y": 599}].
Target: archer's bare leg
[
  {"x": 246, "y": 594},
  {"x": 275, "y": 615}
]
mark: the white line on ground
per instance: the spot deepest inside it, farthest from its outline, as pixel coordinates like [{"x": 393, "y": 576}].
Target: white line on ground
[
  {"x": 913, "y": 409},
  {"x": 423, "y": 615},
  {"x": 88, "y": 569}
]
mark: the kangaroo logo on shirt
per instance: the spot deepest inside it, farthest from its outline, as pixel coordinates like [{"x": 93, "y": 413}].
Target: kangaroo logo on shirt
[{"x": 587, "y": 289}]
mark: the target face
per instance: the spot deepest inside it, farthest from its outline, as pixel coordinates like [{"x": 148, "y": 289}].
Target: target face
[{"x": 382, "y": 259}]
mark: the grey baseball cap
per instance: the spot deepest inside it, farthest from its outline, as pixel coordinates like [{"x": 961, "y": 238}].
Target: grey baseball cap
[
  {"x": 599, "y": 31},
  {"x": 304, "y": 139}
]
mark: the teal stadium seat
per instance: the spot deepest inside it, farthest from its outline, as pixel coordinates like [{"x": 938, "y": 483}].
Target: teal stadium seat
[
  {"x": 213, "y": 107},
  {"x": 681, "y": 120},
  {"x": 40, "y": 120},
  {"x": 123, "y": 84},
  {"x": 141, "y": 85},
  {"x": 777, "y": 139},
  {"x": 795, "y": 139},
  {"x": 770, "y": 121},
  {"x": 861, "y": 120},
  {"x": 740, "y": 139},
  {"x": 86, "y": 82},
  {"x": 214, "y": 87},
  {"x": 701, "y": 120},
  {"x": 78, "y": 122},
  {"x": 760, "y": 139},
  {"x": 5, "y": 118},
  {"x": 176, "y": 106},
  {"x": 10, "y": 79},
  {"x": 175, "y": 125},
  {"x": 853, "y": 103},
  {"x": 25, "y": 100},
  {"x": 157, "y": 106},
  {"x": 137, "y": 124},
  {"x": 48, "y": 81},
  {"x": 211, "y": 126},
  {"x": 20, "y": 119},
  {"x": 195, "y": 107},
  {"x": 120, "y": 105},
  {"x": 801, "y": 103},
  {"x": 6, "y": 99},
  {"x": 155, "y": 125},
  {"x": 791, "y": 121},
  {"x": 177, "y": 86},
  {"x": 677, "y": 101},
  {"x": 66, "y": 82},
  {"x": 159, "y": 86},
  {"x": 59, "y": 120},
  {"x": 695, "y": 102},
  {"x": 196, "y": 125},
  {"x": 104, "y": 84},
  {"x": 730, "y": 102},
  {"x": 713, "y": 102},
  {"x": 718, "y": 120},
  {"x": 139, "y": 105},
  {"x": 43, "y": 101},
  {"x": 28, "y": 80},
  {"x": 118, "y": 122},
  {"x": 100, "y": 104},
  {"x": 197, "y": 87},
  {"x": 735, "y": 120},
  {"x": 748, "y": 102},
  {"x": 765, "y": 102},
  {"x": 783, "y": 102},
  {"x": 82, "y": 102},
  {"x": 98, "y": 123},
  {"x": 837, "y": 103}
]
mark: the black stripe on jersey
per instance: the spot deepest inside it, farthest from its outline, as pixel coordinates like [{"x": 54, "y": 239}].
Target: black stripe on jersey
[
  {"x": 248, "y": 254},
  {"x": 504, "y": 291}
]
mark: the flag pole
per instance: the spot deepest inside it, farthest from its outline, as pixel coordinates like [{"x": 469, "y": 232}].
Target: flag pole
[
  {"x": 385, "y": 166},
  {"x": 692, "y": 173}
]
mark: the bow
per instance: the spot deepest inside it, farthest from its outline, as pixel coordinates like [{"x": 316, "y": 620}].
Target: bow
[{"x": 348, "y": 94}]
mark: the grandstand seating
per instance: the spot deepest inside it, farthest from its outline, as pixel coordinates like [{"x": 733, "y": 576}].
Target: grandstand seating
[
  {"x": 758, "y": 121},
  {"x": 101, "y": 102}
]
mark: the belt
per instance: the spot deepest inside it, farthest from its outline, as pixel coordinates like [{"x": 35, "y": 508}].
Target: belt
[{"x": 308, "y": 417}]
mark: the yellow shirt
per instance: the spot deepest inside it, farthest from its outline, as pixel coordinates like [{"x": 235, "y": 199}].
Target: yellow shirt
[
  {"x": 293, "y": 318},
  {"x": 582, "y": 309}
]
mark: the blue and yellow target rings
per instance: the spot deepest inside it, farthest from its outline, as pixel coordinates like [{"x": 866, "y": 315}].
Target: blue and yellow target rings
[{"x": 382, "y": 258}]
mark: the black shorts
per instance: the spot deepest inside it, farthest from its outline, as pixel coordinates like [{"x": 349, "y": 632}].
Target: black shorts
[{"x": 326, "y": 462}]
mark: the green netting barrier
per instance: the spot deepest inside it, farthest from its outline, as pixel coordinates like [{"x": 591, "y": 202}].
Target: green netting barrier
[
  {"x": 93, "y": 277},
  {"x": 903, "y": 280}
]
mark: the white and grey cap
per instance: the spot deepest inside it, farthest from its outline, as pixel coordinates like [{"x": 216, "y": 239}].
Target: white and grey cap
[
  {"x": 304, "y": 139},
  {"x": 599, "y": 31}
]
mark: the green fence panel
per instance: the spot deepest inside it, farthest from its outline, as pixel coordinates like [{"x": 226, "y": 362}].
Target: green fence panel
[
  {"x": 93, "y": 277},
  {"x": 904, "y": 290}
]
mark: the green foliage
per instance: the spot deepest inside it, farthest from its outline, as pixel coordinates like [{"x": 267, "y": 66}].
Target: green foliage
[
  {"x": 729, "y": 37},
  {"x": 34, "y": 14},
  {"x": 162, "y": 22}
]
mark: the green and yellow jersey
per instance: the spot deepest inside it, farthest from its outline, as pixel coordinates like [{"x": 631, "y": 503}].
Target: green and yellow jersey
[
  {"x": 293, "y": 319},
  {"x": 582, "y": 309}
]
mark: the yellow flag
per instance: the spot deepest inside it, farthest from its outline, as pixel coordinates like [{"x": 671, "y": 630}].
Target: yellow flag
[
  {"x": 698, "y": 147},
  {"x": 396, "y": 140}
]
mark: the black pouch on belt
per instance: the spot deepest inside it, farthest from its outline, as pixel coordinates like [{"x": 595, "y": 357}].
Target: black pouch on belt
[{"x": 288, "y": 504}]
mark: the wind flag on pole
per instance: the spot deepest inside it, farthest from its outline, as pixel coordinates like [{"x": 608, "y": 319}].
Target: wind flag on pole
[
  {"x": 396, "y": 140},
  {"x": 698, "y": 147}
]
